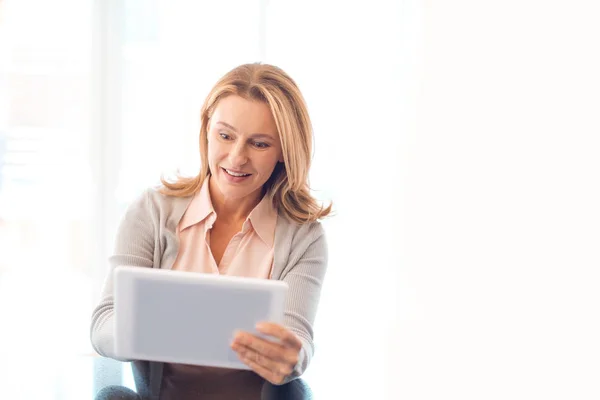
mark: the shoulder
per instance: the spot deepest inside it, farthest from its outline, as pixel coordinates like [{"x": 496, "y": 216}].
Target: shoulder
[
  {"x": 165, "y": 204},
  {"x": 297, "y": 237},
  {"x": 163, "y": 210},
  {"x": 295, "y": 230}
]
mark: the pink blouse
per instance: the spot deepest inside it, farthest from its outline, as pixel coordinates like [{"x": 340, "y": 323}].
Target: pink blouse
[{"x": 249, "y": 254}]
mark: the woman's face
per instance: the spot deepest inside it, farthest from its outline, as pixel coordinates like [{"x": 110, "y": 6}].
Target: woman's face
[{"x": 243, "y": 147}]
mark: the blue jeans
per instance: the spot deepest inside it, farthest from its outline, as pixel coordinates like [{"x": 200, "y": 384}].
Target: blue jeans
[{"x": 294, "y": 390}]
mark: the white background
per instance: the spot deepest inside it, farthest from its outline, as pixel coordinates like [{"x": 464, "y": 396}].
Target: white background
[
  {"x": 458, "y": 140},
  {"x": 500, "y": 219}
]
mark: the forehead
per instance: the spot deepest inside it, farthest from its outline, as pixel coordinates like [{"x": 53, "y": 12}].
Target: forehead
[{"x": 246, "y": 116}]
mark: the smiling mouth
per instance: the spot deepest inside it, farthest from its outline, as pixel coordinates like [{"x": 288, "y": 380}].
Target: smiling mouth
[{"x": 235, "y": 174}]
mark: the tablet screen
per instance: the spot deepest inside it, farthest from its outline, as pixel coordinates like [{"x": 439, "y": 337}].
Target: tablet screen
[{"x": 185, "y": 321}]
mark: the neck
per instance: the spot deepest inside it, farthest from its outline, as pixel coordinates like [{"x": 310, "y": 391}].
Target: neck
[{"x": 232, "y": 210}]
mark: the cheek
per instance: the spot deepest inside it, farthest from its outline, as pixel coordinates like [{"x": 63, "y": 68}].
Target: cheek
[
  {"x": 267, "y": 164},
  {"x": 214, "y": 152}
]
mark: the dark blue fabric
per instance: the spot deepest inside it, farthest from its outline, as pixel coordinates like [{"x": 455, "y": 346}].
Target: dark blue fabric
[
  {"x": 293, "y": 390},
  {"x": 117, "y": 393}
]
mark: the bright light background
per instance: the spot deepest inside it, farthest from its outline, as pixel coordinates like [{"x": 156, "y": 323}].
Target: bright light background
[
  {"x": 458, "y": 140},
  {"x": 500, "y": 266}
]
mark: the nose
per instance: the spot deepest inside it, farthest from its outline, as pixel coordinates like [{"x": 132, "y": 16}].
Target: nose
[{"x": 237, "y": 155}]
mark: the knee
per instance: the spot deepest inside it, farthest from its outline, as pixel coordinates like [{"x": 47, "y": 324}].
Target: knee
[
  {"x": 116, "y": 393},
  {"x": 293, "y": 390}
]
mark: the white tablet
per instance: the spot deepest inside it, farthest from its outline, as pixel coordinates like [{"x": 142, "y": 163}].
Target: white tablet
[{"x": 189, "y": 318}]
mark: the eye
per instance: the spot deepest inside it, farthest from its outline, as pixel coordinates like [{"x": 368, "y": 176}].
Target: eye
[
  {"x": 261, "y": 145},
  {"x": 224, "y": 135}
]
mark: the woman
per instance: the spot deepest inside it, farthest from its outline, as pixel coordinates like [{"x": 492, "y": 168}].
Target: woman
[{"x": 248, "y": 212}]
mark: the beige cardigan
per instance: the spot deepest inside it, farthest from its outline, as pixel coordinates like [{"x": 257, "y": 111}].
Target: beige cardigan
[{"x": 147, "y": 237}]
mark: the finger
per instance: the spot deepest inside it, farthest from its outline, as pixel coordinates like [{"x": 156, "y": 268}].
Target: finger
[
  {"x": 280, "y": 332},
  {"x": 274, "y": 377},
  {"x": 269, "y": 349},
  {"x": 277, "y": 367}
]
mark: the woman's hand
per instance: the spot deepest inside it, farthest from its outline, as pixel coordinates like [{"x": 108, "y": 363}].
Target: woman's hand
[{"x": 274, "y": 361}]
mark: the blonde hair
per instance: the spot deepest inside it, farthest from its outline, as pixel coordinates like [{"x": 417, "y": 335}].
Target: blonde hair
[{"x": 288, "y": 185}]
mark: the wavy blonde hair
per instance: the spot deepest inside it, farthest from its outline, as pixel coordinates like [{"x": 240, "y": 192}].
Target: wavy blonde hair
[{"x": 288, "y": 185}]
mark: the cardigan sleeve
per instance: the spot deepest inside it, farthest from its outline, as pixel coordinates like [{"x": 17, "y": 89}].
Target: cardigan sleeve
[
  {"x": 134, "y": 246},
  {"x": 305, "y": 274}
]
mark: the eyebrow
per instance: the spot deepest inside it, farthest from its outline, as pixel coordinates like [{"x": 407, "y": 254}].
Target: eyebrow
[{"x": 254, "y": 135}]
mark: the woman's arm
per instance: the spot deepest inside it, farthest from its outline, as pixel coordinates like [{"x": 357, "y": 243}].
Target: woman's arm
[
  {"x": 305, "y": 279},
  {"x": 134, "y": 245},
  {"x": 282, "y": 361}
]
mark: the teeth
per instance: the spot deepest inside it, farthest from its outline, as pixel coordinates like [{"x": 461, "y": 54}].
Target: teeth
[{"x": 235, "y": 173}]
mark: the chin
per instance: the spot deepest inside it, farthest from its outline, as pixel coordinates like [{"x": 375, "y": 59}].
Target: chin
[{"x": 232, "y": 192}]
